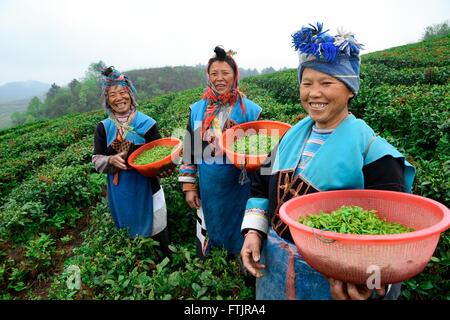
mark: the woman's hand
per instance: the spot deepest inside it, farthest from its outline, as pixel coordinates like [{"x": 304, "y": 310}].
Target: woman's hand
[
  {"x": 250, "y": 254},
  {"x": 192, "y": 199},
  {"x": 348, "y": 291},
  {"x": 167, "y": 173},
  {"x": 118, "y": 160}
]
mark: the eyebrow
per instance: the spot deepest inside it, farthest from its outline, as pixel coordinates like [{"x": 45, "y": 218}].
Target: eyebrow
[
  {"x": 118, "y": 91},
  {"x": 220, "y": 69},
  {"x": 320, "y": 79},
  {"x": 223, "y": 71}
]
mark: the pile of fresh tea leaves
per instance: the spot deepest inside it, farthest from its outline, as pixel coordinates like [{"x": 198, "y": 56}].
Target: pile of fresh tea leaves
[
  {"x": 353, "y": 220},
  {"x": 153, "y": 154},
  {"x": 255, "y": 144}
]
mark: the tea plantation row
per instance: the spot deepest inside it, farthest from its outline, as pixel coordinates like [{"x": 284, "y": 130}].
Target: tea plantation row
[{"x": 54, "y": 217}]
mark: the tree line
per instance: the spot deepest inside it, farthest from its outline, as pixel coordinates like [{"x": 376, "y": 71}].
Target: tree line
[{"x": 84, "y": 95}]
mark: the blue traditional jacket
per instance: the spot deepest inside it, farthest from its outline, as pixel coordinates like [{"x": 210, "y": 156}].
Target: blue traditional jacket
[
  {"x": 337, "y": 165},
  {"x": 130, "y": 201},
  {"x": 223, "y": 198}
]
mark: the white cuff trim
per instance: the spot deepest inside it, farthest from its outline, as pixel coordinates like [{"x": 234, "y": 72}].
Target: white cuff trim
[
  {"x": 187, "y": 179},
  {"x": 252, "y": 221}
]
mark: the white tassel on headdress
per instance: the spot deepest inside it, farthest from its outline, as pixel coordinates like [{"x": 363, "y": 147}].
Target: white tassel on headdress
[{"x": 346, "y": 41}]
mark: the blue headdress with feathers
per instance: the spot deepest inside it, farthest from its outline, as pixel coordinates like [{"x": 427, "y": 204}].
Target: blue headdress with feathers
[{"x": 336, "y": 55}]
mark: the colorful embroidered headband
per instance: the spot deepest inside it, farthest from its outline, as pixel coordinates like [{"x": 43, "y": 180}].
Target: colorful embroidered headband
[{"x": 112, "y": 77}]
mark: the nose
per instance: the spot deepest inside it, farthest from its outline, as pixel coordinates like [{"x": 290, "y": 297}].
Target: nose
[
  {"x": 220, "y": 76},
  {"x": 314, "y": 91}
]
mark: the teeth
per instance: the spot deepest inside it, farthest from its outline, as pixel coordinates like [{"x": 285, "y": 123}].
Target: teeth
[{"x": 318, "y": 105}]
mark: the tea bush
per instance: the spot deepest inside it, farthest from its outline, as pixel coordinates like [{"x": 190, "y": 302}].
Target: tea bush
[{"x": 54, "y": 213}]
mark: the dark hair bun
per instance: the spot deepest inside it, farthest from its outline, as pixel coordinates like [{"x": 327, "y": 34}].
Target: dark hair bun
[
  {"x": 107, "y": 71},
  {"x": 220, "y": 53}
]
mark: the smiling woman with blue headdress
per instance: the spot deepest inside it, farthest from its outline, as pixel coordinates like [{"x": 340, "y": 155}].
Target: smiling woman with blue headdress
[
  {"x": 136, "y": 202},
  {"x": 328, "y": 150}
]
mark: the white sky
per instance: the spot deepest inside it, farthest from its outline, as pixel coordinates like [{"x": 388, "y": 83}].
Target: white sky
[{"x": 56, "y": 40}]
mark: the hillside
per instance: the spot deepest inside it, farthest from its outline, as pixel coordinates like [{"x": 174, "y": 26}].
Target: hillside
[
  {"x": 54, "y": 218},
  {"x": 156, "y": 81},
  {"x": 8, "y": 108},
  {"x": 152, "y": 82},
  {"x": 14, "y": 91},
  {"x": 15, "y": 96},
  {"x": 83, "y": 95}
]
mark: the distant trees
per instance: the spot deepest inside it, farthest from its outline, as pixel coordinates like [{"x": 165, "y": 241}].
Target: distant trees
[
  {"x": 79, "y": 96},
  {"x": 34, "y": 112},
  {"x": 439, "y": 29},
  {"x": 35, "y": 107},
  {"x": 268, "y": 70},
  {"x": 155, "y": 81},
  {"x": 248, "y": 72},
  {"x": 84, "y": 94}
]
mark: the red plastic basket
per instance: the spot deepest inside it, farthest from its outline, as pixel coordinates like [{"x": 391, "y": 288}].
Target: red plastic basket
[
  {"x": 251, "y": 162},
  {"x": 155, "y": 168},
  {"x": 355, "y": 258}
]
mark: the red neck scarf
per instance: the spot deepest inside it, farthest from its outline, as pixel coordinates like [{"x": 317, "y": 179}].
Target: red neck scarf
[{"x": 216, "y": 101}]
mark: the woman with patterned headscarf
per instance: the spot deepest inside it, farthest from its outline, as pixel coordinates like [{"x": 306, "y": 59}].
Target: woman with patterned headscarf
[
  {"x": 136, "y": 202},
  {"x": 214, "y": 187},
  {"x": 328, "y": 150}
]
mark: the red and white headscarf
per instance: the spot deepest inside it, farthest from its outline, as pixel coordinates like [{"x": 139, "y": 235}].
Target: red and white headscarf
[{"x": 216, "y": 100}]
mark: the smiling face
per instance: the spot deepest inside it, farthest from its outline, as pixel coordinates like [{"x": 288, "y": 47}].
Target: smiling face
[
  {"x": 221, "y": 76},
  {"x": 324, "y": 98},
  {"x": 119, "y": 99}
]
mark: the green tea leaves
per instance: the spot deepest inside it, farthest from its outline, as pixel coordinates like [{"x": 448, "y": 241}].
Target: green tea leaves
[
  {"x": 153, "y": 154},
  {"x": 353, "y": 220}
]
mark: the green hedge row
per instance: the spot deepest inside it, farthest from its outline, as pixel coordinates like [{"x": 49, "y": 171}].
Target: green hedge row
[
  {"x": 25, "y": 151},
  {"x": 377, "y": 74},
  {"x": 417, "y": 117},
  {"x": 282, "y": 86},
  {"x": 112, "y": 266},
  {"x": 428, "y": 53}
]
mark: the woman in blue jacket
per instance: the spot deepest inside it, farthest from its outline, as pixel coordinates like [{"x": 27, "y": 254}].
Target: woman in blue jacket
[
  {"x": 328, "y": 150},
  {"x": 212, "y": 186},
  {"x": 136, "y": 202}
]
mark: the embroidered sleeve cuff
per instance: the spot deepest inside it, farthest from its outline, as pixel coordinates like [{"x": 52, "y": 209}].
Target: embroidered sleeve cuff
[
  {"x": 260, "y": 203},
  {"x": 255, "y": 221},
  {"x": 256, "y": 215},
  {"x": 188, "y": 173},
  {"x": 184, "y": 179},
  {"x": 188, "y": 169}
]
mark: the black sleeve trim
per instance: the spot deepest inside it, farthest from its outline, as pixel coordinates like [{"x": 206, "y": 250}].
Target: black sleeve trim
[
  {"x": 100, "y": 143},
  {"x": 152, "y": 134},
  {"x": 385, "y": 173},
  {"x": 260, "y": 180},
  {"x": 188, "y": 145}
]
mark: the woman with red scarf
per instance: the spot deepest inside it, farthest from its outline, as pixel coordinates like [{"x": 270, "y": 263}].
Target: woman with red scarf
[{"x": 212, "y": 185}]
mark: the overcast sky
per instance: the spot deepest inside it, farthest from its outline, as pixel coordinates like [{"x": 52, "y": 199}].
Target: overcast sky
[{"x": 56, "y": 40}]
